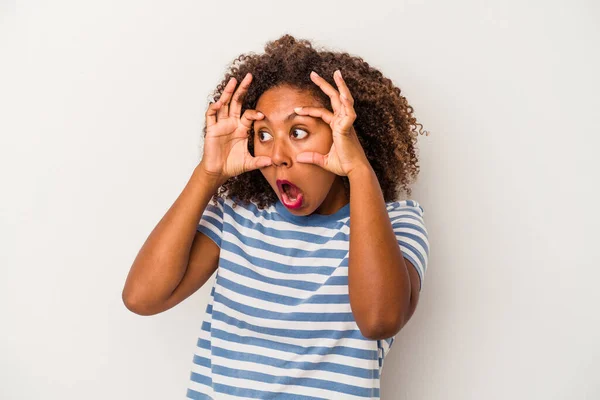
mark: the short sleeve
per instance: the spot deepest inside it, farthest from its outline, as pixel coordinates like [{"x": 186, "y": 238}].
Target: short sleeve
[
  {"x": 211, "y": 222},
  {"x": 409, "y": 226}
]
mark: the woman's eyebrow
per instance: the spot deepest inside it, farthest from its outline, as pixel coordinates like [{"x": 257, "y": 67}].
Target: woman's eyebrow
[{"x": 288, "y": 118}]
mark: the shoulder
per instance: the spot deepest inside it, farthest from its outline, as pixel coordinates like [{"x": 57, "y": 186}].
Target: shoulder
[
  {"x": 408, "y": 206},
  {"x": 407, "y": 218}
]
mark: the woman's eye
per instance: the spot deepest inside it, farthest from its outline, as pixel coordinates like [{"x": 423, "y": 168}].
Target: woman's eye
[
  {"x": 302, "y": 135},
  {"x": 297, "y": 133},
  {"x": 260, "y": 135}
]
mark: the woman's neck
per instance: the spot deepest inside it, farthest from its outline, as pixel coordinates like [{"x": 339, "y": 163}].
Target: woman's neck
[{"x": 335, "y": 199}]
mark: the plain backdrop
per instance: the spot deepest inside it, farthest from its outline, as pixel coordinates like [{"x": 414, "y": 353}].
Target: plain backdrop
[{"x": 101, "y": 111}]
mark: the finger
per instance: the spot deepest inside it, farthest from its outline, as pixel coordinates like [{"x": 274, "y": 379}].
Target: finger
[
  {"x": 348, "y": 112},
  {"x": 317, "y": 112},
  {"x": 311, "y": 157},
  {"x": 236, "y": 102},
  {"x": 343, "y": 88},
  {"x": 224, "y": 99},
  {"x": 253, "y": 163},
  {"x": 250, "y": 116},
  {"x": 328, "y": 89},
  {"x": 211, "y": 114}
]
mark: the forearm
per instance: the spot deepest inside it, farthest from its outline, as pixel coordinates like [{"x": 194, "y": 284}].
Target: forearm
[
  {"x": 379, "y": 284},
  {"x": 162, "y": 261}
]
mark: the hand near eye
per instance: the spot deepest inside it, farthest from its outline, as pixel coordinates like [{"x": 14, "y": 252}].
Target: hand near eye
[
  {"x": 226, "y": 142},
  {"x": 346, "y": 153}
]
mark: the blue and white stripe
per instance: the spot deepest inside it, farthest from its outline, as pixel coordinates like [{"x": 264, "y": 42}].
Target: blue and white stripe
[{"x": 278, "y": 321}]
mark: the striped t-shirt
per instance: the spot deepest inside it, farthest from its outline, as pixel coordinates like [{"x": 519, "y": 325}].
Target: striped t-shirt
[{"x": 278, "y": 324}]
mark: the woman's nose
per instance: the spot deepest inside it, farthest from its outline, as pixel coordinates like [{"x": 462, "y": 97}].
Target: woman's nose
[{"x": 280, "y": 155}]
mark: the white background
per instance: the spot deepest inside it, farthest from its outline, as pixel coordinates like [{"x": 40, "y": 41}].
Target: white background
[{"x": 101, "y": 112}]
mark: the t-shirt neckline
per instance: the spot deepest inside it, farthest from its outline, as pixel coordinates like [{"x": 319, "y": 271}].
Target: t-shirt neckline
[{"x": 314, "y": 218}]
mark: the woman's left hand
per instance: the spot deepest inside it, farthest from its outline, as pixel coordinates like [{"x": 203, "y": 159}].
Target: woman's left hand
[{"x": 346, "y": 153}]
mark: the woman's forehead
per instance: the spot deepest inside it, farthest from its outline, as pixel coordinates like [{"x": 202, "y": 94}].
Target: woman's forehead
[{"x": 283, "y": 99}]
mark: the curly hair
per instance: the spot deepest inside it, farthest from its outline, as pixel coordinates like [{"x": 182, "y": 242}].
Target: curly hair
[{"x": 384, "y": 122}]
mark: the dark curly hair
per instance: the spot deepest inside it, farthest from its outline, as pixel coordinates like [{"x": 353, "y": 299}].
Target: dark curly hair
[{"x": 384, "y": 122}]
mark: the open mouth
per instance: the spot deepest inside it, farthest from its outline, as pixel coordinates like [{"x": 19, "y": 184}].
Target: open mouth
[{"x": 291, "y": 195}]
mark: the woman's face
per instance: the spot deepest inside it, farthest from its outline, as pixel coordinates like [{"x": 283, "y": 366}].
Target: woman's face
[{"x": 281, "y": 135}]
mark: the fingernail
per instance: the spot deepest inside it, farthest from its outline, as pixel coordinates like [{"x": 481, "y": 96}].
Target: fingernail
[
  {"x": 297, "y": 109},
  {"x": 260, "y": 114},
  {"x": 313, "y": 72}
]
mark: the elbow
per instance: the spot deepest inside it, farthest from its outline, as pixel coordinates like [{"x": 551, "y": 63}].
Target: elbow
[
  {"x": 384, "y": 328},
  {"x": 136, "y": 306}
]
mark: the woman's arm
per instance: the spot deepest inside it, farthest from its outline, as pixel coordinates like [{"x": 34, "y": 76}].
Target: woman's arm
[
  {"x": 380, "y": 284},
  {"x": 167, "y": 268}
]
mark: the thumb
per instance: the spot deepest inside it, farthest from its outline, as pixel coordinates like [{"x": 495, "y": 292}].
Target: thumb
[
  {"x": 312, "y": 157},
  {"x": 253, "y": 163}
]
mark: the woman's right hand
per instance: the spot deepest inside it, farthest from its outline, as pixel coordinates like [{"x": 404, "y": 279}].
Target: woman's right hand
[{"x": 226, "y": 142}]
